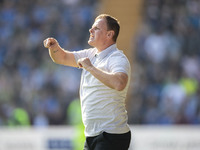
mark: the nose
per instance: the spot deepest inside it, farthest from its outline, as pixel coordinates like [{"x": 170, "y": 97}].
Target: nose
[{"x": 90, "y": 30}]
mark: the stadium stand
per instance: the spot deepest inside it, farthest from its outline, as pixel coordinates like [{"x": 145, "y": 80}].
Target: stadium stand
[
  {"x": 167, "y": 64},
  {"x": 166, "y": 61}
]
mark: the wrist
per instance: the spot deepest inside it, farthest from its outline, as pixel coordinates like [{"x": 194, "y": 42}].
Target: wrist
[
  {"x": 90, "y": 68},
  {"x": 55, "y": 49}
]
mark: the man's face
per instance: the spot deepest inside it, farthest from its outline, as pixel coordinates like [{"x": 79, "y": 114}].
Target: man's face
[{"x": 98, "y": 33}]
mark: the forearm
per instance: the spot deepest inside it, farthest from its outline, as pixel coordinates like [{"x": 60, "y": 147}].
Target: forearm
[
  {"x": 63, "y": 57},
  {"x": 115, "y": 81},
  {"x": 57, "y": 55}
]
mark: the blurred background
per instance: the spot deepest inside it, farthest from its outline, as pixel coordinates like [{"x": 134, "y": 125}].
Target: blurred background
[{"x": 161, "y": 38}]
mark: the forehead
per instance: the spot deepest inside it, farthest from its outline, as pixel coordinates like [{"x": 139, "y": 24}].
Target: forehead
[{"x": 100, "y": 23}]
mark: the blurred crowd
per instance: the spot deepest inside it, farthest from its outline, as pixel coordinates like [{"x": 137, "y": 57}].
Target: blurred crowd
[
  {"x": 166, "y": 72},
  {"x": 34, "y": 90},
  {"x": 166, "y": 66}
]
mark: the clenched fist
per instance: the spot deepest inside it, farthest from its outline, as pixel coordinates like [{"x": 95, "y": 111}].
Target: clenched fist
[
  {"x": 51, "y": 43},
  {"x": 85, "y": 63}
]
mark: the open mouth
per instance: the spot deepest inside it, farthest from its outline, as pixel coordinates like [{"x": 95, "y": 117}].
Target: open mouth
[{"x": 91, "y": 36}]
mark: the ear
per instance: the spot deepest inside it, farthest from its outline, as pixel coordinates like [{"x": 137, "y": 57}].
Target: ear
[{"x": 110, "y": 34}]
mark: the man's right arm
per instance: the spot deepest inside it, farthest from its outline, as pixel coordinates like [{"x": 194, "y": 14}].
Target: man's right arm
[{"x": 59, "y": 55}]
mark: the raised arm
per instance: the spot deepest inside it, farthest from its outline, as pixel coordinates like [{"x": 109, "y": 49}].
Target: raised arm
[{"x": 58, "y": 54}]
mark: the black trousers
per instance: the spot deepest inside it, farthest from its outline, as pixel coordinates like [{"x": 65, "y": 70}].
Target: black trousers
[{"x": 107, "y": 141}]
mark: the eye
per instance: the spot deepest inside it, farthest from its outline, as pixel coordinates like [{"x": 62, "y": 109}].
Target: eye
[{"x": 96, "y": 28}]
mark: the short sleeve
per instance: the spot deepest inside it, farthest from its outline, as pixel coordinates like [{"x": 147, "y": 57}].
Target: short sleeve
[{"x": 118, "y": 62}]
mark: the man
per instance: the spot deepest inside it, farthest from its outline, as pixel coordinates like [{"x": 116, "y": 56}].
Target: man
[{"x": 104, "y": 84}]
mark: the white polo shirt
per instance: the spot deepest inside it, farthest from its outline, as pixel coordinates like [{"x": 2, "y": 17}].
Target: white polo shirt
[{"x": 103, "y": 108}]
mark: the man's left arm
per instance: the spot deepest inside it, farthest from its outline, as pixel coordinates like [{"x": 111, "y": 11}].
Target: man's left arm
[{"x": 117, "y": 81}]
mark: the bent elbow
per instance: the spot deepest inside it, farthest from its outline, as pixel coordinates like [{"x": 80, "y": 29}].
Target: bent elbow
[
  {"x": 120, "y": 87},
  {"x": 121, "y": 82}
]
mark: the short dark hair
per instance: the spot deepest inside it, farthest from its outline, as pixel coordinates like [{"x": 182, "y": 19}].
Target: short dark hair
[{"x": 112, "y": 24}]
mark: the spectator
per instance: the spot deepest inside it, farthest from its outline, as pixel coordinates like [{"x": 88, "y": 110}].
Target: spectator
[
  {"x": 27, "y": 79},
  {"x": 167, "y": 71}
]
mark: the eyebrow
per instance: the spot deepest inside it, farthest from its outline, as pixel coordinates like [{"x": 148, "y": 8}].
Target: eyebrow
[{"x": 96, "y": 27}]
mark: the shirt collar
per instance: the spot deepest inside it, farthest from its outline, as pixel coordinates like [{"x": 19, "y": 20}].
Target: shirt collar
[{"x": 106, "y": 51}]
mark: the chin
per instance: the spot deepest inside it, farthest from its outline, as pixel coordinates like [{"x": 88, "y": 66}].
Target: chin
[{"x": 91, "y": 43}]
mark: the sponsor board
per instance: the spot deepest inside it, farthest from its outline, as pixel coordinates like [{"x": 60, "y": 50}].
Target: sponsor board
[{"x": 61, "y": 138}]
